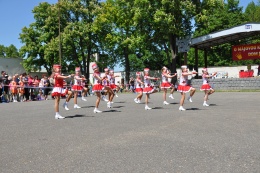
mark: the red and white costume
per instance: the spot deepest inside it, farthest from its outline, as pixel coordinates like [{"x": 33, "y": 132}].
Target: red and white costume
[
  {"x": 97, "y": 86},
  {"x": 138, "y": 83},
  {"x": 106, "y": 78},
  {"x": 77, "y": 85},
  {"x": 148, "y": 88},
  {"x": 183, "y": 85},
  {"x": 58, "y": 89},
  {"x": 112, "y": 81},
  {"x": 165, "y": 82},
  {"x": 205, "y": 85}
]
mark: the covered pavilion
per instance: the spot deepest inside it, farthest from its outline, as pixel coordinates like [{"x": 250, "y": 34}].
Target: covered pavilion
[{"x": 240, "y": 32}]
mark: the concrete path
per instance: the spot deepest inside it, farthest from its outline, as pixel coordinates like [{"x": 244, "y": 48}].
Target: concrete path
[{"x": 224, "y": 137}]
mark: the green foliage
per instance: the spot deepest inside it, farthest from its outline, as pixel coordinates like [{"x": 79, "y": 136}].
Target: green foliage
[
  {"x": 132, "y": 34},
  {"x": 252, "y": 12},
  {"x": 9, "y": 52}
]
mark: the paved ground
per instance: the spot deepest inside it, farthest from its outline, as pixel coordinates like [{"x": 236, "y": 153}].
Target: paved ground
[{"x": 224, "y": 137}]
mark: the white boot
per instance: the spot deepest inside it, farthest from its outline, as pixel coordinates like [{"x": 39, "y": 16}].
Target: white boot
[
  {"x": 166, "y": 103},
  {"x": 65, "y": 105},
  {"x": 83, "y": 98},
  {"x": 181, "y": 108},
  {"x": 205, "y": 104},
  {"x": 147, "y": 107},
  {"x": 97, "y": 111},
  {"x": 76, "y": 106},
  {"x": 58, "y": 116},
  {"x": 189, "y": 98},
  {"x": 109, "y": 105}
]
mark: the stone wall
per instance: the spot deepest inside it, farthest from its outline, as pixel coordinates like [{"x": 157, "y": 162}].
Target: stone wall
[{"x": 230, "y": 83}]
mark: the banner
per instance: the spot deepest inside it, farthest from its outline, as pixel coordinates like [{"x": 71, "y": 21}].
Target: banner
[{"x": 246, "y": 52}]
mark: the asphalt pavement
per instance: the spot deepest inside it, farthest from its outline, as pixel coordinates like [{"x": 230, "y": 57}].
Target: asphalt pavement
[{"x": 221, "y": 138}]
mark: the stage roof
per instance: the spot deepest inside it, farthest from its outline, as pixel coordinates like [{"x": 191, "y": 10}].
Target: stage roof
[{"x": 232, "y": 34}]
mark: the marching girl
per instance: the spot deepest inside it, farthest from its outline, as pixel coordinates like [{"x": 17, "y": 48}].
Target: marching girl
[
  {"x": 98, "y": 88},
  {"x": 183, "y": 86},
  {"x": 205, "y": 86},
  {"x": 148, "y": 89},
  {"x": 13, "y": 89},
  {"x": 76, "y": 87},
  {"x": 172, "y": 85},
  {"x": 105, "y": 82},
  {"x": 58, "y": 89},
  {"x": 165, "y": 83},
  {"x": 85, "y": 89},
  {"x": 138, "y": 87},
  {"x": 115, "y": 88}
]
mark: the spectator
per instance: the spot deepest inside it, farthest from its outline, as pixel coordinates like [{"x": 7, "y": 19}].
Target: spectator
[
  {"x": 26, "y": 87},
  {"x": 35, "y": 88},
  {"x": 132, "y": 84},
  {"x": 13, "y": 89},
  {"x": 5, "y": 83},
  {"x": 21, "y": 89},
  {"x": 258, "y": 73},
  {"x": 45, "y": 83}
]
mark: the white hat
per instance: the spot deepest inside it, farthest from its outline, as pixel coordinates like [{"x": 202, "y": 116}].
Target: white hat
[
  {"x": 204, "y": 69},
  {"x": 94, "y": 66},
  {"x": 146, "y": 69},
  {"x": 183, "y": 66}
]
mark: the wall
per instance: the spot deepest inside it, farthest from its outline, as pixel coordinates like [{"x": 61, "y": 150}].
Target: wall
[
  {"x": 230, "y": 83},
  {"x": 11, "y": 66}
]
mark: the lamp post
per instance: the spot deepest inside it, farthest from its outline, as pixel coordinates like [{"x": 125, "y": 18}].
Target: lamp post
[{"x": 59, "y": 34}]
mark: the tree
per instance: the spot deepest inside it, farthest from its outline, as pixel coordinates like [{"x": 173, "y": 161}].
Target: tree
[
  {"x": 252, "y": 12},
  {"x": 9, "y": 52},
  {"x": 78, "y": 41},
  {"x": 220, "y": 16},
  {"x": 39, "y": 37},
  {"x": 116, "y": 21}
]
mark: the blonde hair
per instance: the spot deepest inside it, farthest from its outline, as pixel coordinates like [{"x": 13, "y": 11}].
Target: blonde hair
[{"x": 164, "y": 68}]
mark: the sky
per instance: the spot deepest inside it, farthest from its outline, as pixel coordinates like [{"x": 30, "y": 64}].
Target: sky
[{"x": 16, "y": 14}]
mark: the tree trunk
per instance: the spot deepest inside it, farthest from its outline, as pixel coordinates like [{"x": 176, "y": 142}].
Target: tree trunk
[
  {"x": 87, "y": 65},
  {"x": 172, "y": 40},
  {"x": 127, "y": 65}
]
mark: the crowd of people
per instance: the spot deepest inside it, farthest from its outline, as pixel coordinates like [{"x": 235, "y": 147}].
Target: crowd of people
[{"x": 24, "y": 87}]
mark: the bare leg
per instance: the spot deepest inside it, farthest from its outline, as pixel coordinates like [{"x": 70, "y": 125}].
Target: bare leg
[
  {"x": 164, "y": 94},
  {"x": 140, "y": 95},
  {"x": 172, "y": 90},
  {"x": 182, "y": 98},
  {"x": 98, "y": 99},
  {"x": 57, "y": 102},
  {"x": 146, "y": 99},
  {"x": 69, "y": 96},
  {"x": 193, "y": 90},
  {"x": 206, "y": 95},
  {"x": 75, "y": 97}
]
